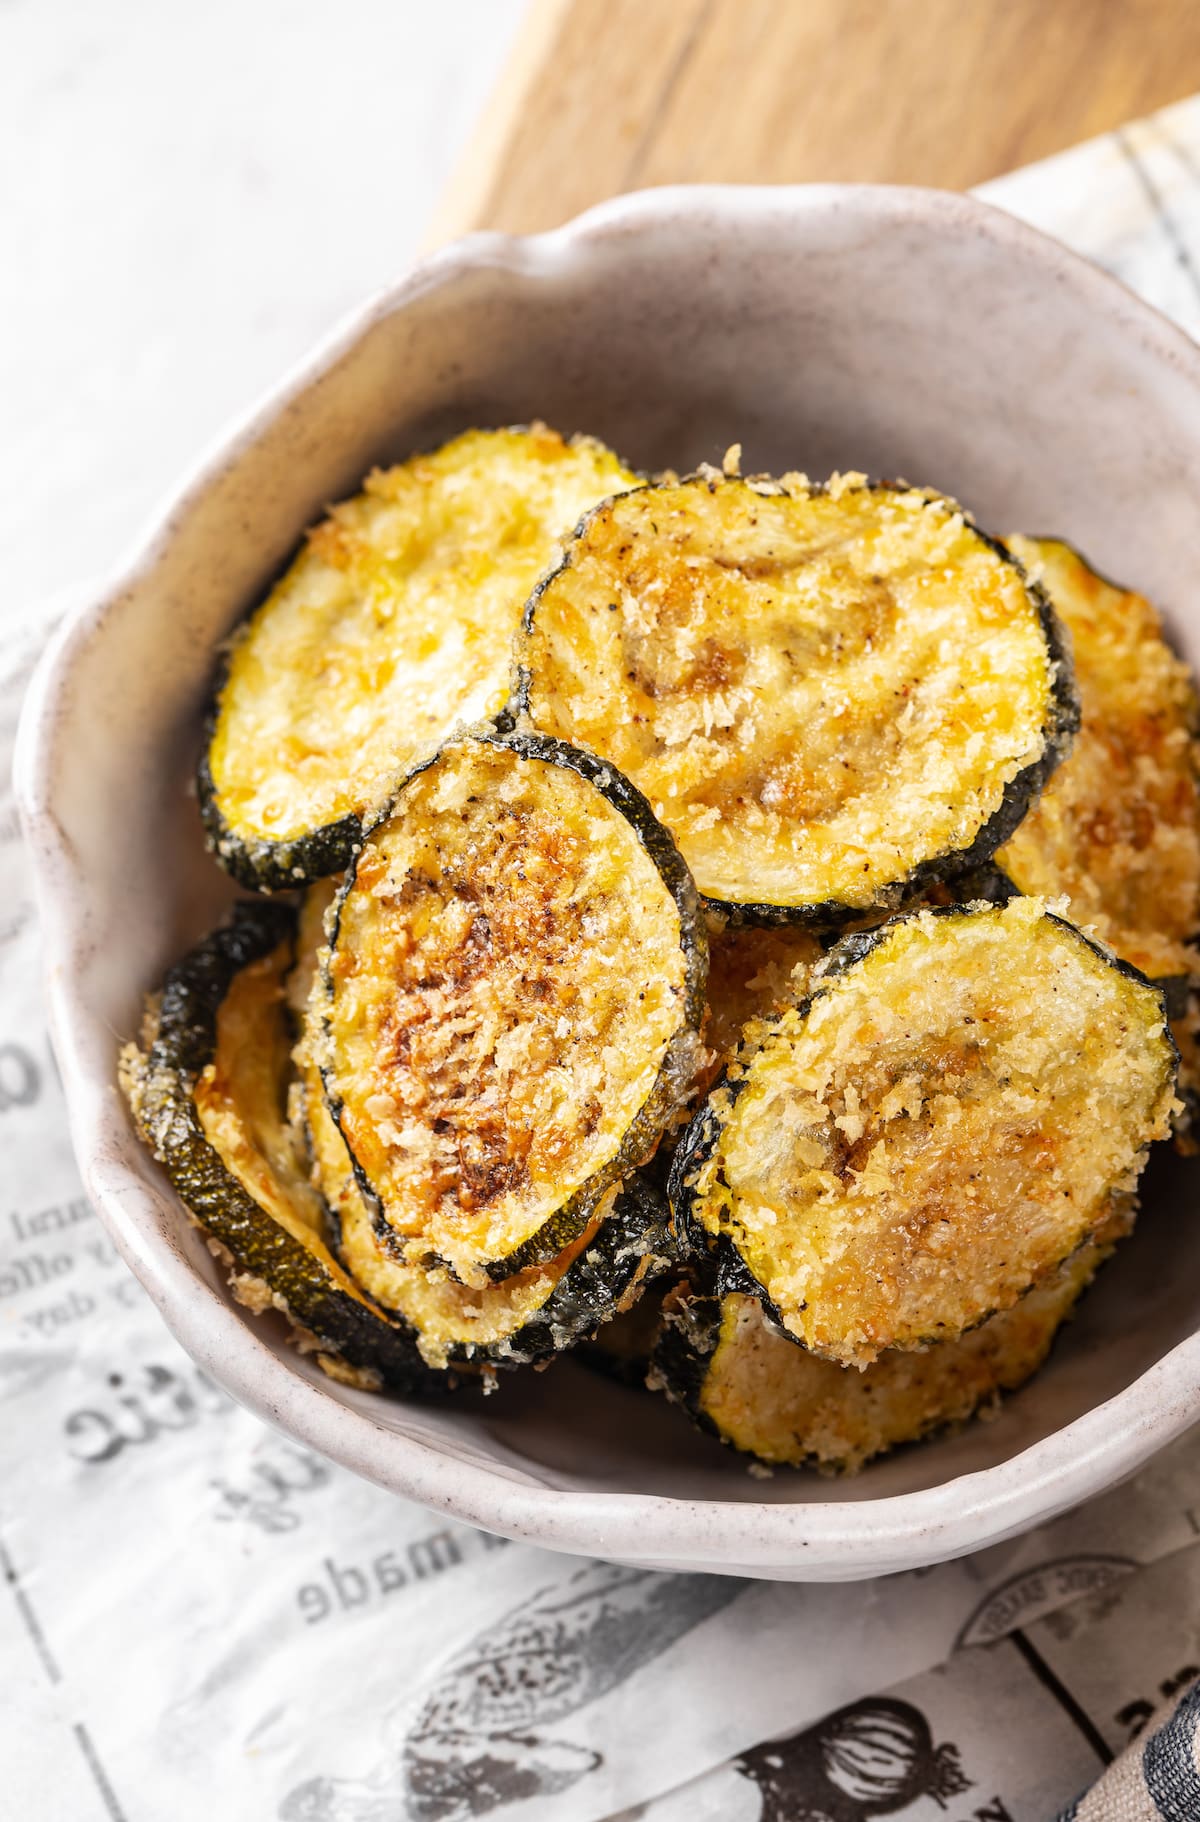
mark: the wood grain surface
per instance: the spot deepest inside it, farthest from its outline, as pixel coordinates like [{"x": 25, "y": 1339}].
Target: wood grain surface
[{"x": 608, "y": 95}]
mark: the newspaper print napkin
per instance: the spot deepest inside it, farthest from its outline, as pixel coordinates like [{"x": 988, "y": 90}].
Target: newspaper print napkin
[{"x": 200, "y": 1617}]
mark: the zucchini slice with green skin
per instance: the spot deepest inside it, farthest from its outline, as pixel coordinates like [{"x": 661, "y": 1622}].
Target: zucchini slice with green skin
[
  {"x": 528, "y": 1318},
  {"x": 508, "y": 1013},
  {"x": 727, "y": 1364},
  {"x": 933, "y": 1131},
  {"x": 392, "y": 627},
  {"x": 208, "y": 1089},
  {"x": 1117, "y": 829},
  {"x": 830, "y": 695}
]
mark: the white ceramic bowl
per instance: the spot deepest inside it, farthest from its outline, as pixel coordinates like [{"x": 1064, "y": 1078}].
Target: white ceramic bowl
[{"x": 905, "y": 332}]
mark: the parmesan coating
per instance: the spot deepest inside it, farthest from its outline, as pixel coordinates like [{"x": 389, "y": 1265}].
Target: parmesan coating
[
  {"x": 393, "y": 626},
  {"x": 1118, "y": 827},
  {"x": 772, "y": 1399},
  {"x": 507, "y": 997},
  {"x": 821, "y": 691},
  {"x": 944, "y": 1122},
  {"x": 446, "y": 1316},
  {"x": 753, "y": 974}
]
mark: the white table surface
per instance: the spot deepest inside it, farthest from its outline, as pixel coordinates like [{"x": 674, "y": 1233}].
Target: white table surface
[{"x": 190, "y": 196}]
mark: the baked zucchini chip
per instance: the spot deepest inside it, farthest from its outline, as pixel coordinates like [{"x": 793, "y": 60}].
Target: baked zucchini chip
[
  {"x": 508, "y": 1014},
  {"x": 392, "y": 627},
  {"x": 830, "y": 695},
  {"x": 532, "y": 1315},
  {"x": 1118, "y": 828},
  {"x": 728, "y": 1366},
  {"x": 942, "y": 1122},
  {"x": 209, "y": 1093}
]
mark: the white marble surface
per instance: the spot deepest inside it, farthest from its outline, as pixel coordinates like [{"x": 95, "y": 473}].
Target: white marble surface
[{"x": 189, "y": 197}]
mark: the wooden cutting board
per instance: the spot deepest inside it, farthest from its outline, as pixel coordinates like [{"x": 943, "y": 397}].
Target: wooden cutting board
[{"x": 601, "y": 96}]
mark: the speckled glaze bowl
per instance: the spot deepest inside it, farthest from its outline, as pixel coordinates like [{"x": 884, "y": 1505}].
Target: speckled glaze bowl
[{"x": 901, "y": 331}]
